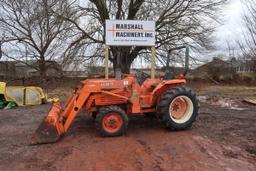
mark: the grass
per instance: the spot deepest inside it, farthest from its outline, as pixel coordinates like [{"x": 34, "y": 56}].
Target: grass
[{"x": 228, "y": 91}]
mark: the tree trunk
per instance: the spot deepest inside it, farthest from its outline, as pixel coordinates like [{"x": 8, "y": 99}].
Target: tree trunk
[
  {"x": 124, "y": 65},
  {"x": 126, "y": 59},
  {"x": 42, "y": 68}
]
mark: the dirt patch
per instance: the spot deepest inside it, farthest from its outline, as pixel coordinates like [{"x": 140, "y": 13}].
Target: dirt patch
[
  {"x": 220, "y": 139},
  {"x": 222, "y": 102}
]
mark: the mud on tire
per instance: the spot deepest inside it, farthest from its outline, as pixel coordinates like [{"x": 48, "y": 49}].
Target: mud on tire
[
  {"x": 178, "y": 116},
  {"x": 111, "y": 121}
]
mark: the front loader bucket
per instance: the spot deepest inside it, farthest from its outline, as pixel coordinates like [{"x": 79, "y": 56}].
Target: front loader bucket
[
  {"x": 59, "y": 120},
  {"x": 50, "y": 129}
]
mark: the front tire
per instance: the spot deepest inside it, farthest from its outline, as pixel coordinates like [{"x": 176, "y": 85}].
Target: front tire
[
  {"x": 111, "y": 121},
  {"x": 177, "y": 108}
]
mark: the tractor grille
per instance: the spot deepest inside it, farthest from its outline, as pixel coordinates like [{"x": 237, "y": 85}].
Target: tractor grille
[{"x": 106, "y": 99}]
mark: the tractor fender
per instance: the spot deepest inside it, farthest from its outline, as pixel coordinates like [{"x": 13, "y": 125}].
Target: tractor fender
[{"x": 165, "y": 85}]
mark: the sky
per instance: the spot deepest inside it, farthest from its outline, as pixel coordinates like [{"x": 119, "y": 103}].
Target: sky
[
  {"x": 232, "y": 28},
  {"x": 230, "y": 31}
]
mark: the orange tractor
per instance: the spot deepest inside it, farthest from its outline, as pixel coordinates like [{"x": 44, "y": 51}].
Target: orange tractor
[{"x": 111, "y": 101}]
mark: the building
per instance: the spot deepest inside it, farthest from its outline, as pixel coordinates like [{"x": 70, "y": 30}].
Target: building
[
  {"x": 15, "y": 69},
  {"x": 243, "y": 66},
  {"x": 220, "y": 68}
]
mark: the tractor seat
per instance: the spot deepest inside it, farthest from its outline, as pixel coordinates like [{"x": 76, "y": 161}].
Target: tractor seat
[{"x": 141, "y": 77}]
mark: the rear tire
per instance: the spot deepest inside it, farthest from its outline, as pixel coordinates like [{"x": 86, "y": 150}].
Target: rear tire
[
  {"x": 111, "y": 121},
  {"x": 177, "y": 108}
]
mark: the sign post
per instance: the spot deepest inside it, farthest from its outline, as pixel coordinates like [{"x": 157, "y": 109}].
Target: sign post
[
  {"x": 153, "y": 62},
  {"x": 131, "y": 33},
  {"x": 106, "y": 61}
]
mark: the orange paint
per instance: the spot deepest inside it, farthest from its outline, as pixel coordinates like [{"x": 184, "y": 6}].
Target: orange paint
[
  {"x": 95, "y": 93},
  {"x": 112, "y": 122}
]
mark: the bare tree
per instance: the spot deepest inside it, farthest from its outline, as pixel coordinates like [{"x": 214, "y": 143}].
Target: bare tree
[
  {"x": 178, "y": 22},
  {"x": 248, "y": 44},
  {"x": 33, "y": 30}
]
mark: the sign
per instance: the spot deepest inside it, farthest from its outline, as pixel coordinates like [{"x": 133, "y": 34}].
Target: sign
[{"x": 130, "y": 33}]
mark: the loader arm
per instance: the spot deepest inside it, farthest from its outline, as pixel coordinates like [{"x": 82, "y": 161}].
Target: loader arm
[{"x": 59, "y": 120}]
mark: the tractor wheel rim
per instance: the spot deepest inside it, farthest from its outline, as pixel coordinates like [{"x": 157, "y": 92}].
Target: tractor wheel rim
[
  {"x": 181, "y": 109},
  {"x": 112, "y": 122}
]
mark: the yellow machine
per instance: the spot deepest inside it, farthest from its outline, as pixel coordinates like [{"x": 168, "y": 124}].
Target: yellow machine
[{"x": 21, "y": 95}]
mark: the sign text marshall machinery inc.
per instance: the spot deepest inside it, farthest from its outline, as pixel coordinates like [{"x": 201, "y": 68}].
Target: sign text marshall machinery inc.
[
  {"x": 124, "y": 30},
  {"x": 130, "y": 33}
]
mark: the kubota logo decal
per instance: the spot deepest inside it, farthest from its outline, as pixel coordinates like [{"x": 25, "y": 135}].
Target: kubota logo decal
[{"x": 107, "y": 84}]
